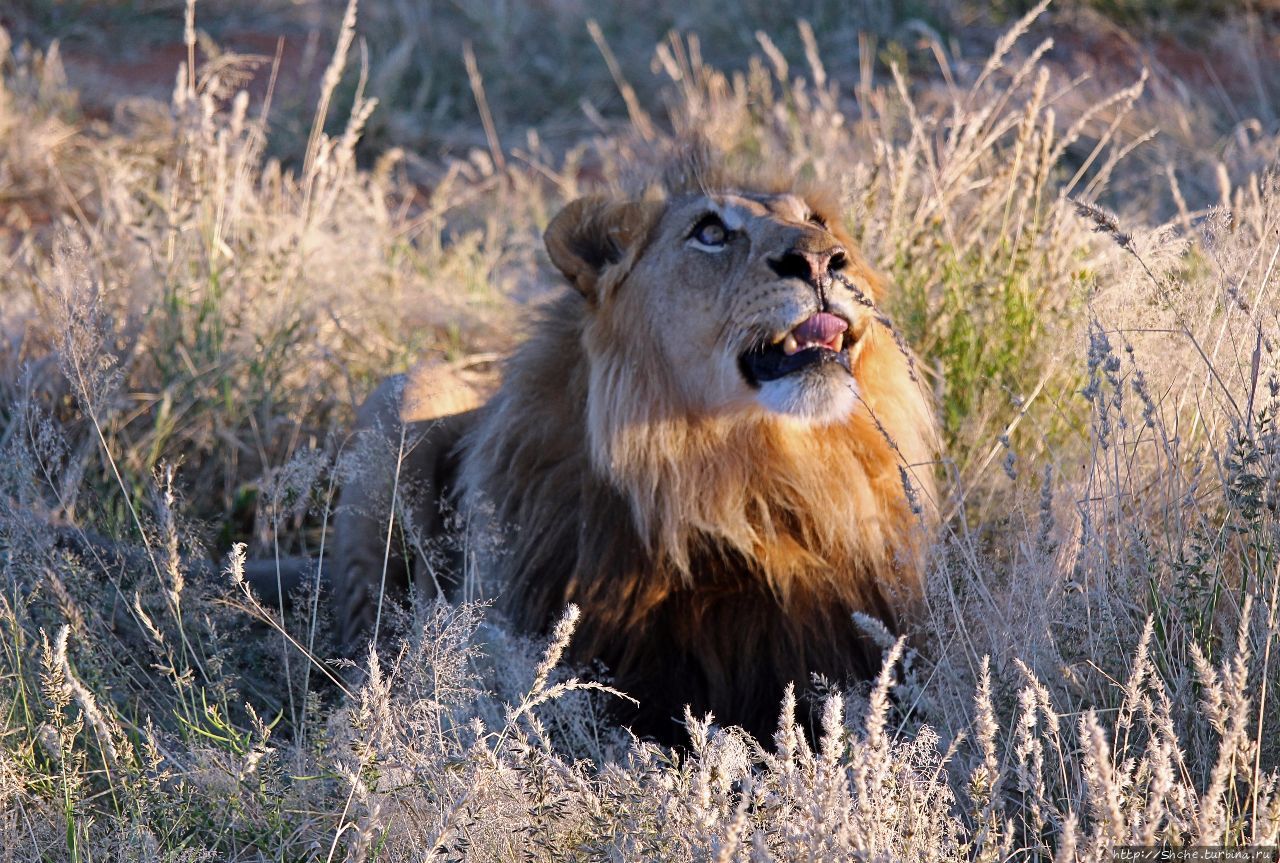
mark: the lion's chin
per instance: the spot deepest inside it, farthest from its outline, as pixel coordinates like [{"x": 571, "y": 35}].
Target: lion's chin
[{"x": 818, "y": 396}]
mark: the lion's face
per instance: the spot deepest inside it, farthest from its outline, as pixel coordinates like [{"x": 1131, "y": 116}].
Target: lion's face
[{"x": 740, "y": 302}]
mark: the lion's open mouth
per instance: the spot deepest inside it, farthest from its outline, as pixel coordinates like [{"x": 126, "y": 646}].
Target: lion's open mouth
[{"x": 818, "y": 340}]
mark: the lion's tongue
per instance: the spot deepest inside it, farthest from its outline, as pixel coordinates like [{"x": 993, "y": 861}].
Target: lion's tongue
[{"x": 821, "y": 329}]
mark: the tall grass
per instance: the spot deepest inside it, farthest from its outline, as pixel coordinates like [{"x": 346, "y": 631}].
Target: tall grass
[{"x": 188, "y": 323}]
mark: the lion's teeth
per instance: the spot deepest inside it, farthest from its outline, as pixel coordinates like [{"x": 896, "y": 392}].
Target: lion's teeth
[
  {"x": 790, "y": 345},
  {"x": 837, "y": 343}
]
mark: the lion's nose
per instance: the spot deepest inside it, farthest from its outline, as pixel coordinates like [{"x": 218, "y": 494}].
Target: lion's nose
[{"x": 814, "y": 266}]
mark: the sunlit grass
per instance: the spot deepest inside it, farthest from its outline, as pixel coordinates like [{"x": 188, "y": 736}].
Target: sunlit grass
[{"x": 188, "y": 324}]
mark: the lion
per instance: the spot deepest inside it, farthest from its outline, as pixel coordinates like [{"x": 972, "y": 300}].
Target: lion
[{"x": 712, "y": 442}]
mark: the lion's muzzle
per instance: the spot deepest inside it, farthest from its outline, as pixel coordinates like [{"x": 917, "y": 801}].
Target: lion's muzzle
[{"x": 816, "y": 341}]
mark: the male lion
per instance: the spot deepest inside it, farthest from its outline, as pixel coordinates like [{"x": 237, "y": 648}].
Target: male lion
[{"x": 714, "y": 444}]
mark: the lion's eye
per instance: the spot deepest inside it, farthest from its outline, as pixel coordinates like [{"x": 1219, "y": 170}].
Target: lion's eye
[
  {"x": 815, "y": 219},
  {"x": 710, "y": 232}
]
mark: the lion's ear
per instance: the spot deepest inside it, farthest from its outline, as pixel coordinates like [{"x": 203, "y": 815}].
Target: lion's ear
[{"x": 592, "y": 233}]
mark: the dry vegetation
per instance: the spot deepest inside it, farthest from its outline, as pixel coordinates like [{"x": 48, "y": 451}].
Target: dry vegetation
[{"x": 1091, "y": 268}]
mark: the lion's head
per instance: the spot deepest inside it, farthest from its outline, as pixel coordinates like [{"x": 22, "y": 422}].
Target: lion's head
[{"x": 741, "y": 302}]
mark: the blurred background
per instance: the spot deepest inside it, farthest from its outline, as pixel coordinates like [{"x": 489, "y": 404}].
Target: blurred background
[{"x": 562, "y": 68}]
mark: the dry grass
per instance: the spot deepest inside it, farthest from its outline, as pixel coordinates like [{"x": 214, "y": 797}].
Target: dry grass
[{"x": 187, "y": 324}]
